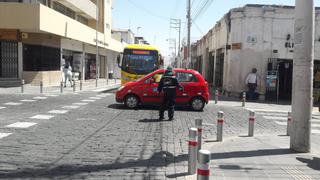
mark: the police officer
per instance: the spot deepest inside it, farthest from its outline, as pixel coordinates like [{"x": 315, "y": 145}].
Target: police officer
[{"x": 168, "y": 85}]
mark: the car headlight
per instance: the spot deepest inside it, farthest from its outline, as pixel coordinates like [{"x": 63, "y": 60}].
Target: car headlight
[{"x": 120, "y": 88}]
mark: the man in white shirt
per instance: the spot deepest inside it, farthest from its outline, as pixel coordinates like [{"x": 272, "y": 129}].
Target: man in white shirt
[{"x": 252, "y": 83}]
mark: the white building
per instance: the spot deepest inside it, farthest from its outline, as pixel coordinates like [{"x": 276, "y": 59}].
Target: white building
[
  {"x": 38, "y": 36},
  {"x": 253, "y": 36}
]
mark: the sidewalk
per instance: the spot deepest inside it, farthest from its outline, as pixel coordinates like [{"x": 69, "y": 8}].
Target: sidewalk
[
  {"x": 88, "y": 85},
  {"x": 264, "y": 156}
]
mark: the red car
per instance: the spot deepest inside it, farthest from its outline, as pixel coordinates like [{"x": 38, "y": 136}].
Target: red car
[{"x": 144, "y": 90}]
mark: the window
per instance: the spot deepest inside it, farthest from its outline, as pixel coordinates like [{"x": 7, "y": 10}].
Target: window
[
  {"x": 82, "y": 19},
  {"x": 40, "y": 58},
  {"x": 64, "y": 10},
  {"x": 186, "y": 77}
]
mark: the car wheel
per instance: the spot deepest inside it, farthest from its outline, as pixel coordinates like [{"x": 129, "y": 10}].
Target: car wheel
[
  {"x": 131, "y": 101},
  {"x": 197, "y": 104}
]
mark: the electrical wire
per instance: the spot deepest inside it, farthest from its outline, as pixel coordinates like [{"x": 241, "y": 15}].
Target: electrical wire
[{"x": 148, "y": 11}]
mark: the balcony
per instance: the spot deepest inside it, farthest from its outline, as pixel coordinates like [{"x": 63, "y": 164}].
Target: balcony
[{"x": 83, "y": 7}]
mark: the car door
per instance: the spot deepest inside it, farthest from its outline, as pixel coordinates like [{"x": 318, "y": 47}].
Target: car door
[
  {"x": 190, "y": 87},
  {"x": 150, "y": 93}
]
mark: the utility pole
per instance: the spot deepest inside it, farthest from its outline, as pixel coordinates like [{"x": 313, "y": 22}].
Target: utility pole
[
  {"x": 189, "y": 34},
  {"x": 302, "y": 76},
  {"x": 176, "y": 24}
]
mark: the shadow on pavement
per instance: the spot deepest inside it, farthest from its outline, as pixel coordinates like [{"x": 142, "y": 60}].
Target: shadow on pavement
[
  {"x": 150, "y": 120},
  {"x": 148, "y": 107},
  {"x": 312, "y": 163},
  {"x": 244, "y": 154},
  {"x": 158, "y": 159},
  {"x": 236, "y": 167},
  {"x": 177, "y": 175}
]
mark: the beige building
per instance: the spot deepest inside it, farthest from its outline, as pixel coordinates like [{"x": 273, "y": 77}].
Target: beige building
[{"x": 37, "y": 37}]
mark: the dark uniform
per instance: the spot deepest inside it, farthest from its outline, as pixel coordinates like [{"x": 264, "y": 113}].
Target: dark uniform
[{"x": 168, "y": 85}]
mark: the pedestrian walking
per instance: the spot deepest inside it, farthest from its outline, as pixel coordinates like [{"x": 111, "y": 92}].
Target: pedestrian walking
[
  {"x": 67, "y": 71},
  {"x": 252, "y": 83},
  {"x": 168, "y": 84}
]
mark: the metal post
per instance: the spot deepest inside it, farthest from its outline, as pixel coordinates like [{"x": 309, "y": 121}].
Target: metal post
[
  {"x": 289, "y": 124},
  {"x": 80, "y": 85},
  {"x": 216, "y": 97},
  {"x": 203, "y": 171},
  {"x": 251, "y": 123},
  {"x": 115, "y": 81},
  {"x": 96, "y": 82},
  {"x": 74, "y": 86},
  {"x": 41, "y": 87},
  {"x": 243, "y": 99},
  {"x": 22, "y": 86},
  {"x": 192, "y": 161},
  {"x": 199, "y": 127},
  {"x": 220, "y": 126},
  {"x": 302, "y": 90},
  {"x": 61, "y": 87}
]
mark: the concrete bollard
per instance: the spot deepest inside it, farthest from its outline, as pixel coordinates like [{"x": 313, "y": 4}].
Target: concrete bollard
[
  {"x": 41, "y": 87},
  {"x": 74, "y": 86},
  {"x": 220, "y": 126},
  {"x": 107, "y": 81},
  {"x": 61, "y": 87},
  {"x": 251, "y": 123},
  {"x": 22, "y": 86},
  {"x": 243, "y": 99},
  {"x": 289, "y": 123},
  {"x": 199, "y": 127},
  {"x": 96, "y": 82},
  {"x": 203, "y": 171},
  {"x": 192, "y": 159},
  {"x": 80, "y": 85},
  {"x": 216, "y": 97}
]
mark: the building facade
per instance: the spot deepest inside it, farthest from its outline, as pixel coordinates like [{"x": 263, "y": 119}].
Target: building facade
[
  {"x": 37, "y": 37},
  {"x": 253, "y": 36}
]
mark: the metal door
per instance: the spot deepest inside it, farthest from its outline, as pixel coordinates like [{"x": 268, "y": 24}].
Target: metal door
[{"x": 8, "y": 59}]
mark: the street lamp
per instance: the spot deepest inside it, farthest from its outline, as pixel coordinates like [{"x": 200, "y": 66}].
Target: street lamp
[{"x": 138, "y": 30}]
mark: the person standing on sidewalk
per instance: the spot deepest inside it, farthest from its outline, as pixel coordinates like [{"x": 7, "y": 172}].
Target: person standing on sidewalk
[
  {"x": 67, "y": 71},
  {"x": 252, "y": 83},
  {"x": 168, "y": 84}
]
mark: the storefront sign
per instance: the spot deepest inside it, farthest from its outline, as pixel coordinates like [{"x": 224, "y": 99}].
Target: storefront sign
[{"x": 9, "y": 34}]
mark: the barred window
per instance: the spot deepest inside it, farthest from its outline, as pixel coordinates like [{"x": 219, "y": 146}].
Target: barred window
[{"x": 64, "y": 10}]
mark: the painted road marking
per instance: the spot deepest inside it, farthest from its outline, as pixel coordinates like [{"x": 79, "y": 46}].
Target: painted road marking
[
  {"x": 96, "y": 98},
  {"x": 42, "y": 116},
  {"x": 281, "y": 123},
  {"x": 267, "y": 110},
  {"x": 12, "y": 104},
  {"x": 2, "y": 107},
  {"x": 40, "y": 97},
  {"x": 275, "y": 118},
  {"x": 51, "y": 95},
  {"x": 80, "y": 104},
  {"x": 58, "y": 111},
  {"x": 2, "y": 135},
  {"x": 70, "y": 107},
  {"x": 271, "y": 114},
  {"x": 28, "y": 100},
  {"x": 315, "y": 131},
  {"x": 88, "y": 100},
  {"x": 21, "y": 125}
]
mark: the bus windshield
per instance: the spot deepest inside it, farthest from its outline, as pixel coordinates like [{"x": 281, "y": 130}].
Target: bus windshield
[{"x": 140, "y": 63}]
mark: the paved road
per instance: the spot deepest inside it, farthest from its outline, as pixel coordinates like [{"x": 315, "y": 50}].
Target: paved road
[{"x": 88, "y": 136}]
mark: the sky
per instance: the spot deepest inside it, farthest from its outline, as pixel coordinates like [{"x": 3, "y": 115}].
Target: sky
[{"x": 151, "y": 18}]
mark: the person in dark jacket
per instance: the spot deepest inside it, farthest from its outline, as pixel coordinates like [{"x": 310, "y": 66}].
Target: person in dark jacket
[{"x": 168, "y": 85}]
